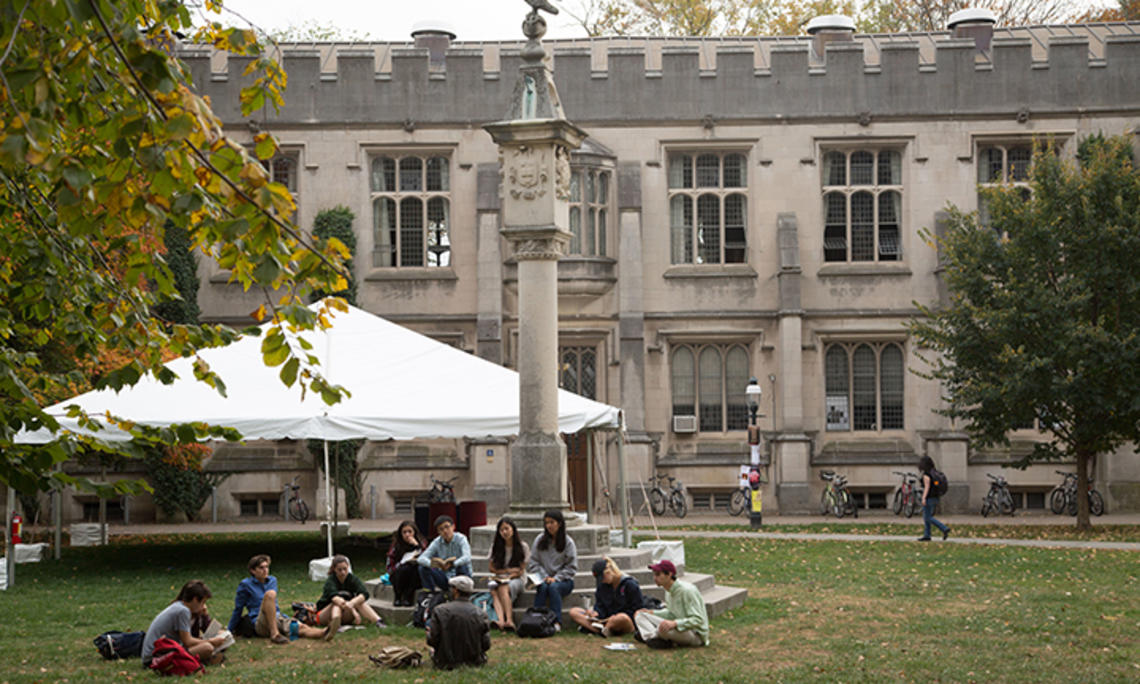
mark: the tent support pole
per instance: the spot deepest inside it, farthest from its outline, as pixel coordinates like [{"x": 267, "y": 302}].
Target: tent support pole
[
  {"x": 9, "y": 543},
  {"x": 623, "y": 492},
  {"x": 328, "y": 501},
  {"x": 590, "y": 476},
  {"x": 57, "y": 515}
]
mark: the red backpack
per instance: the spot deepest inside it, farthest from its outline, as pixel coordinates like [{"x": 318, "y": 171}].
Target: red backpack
[{"x": 170, "y": 658}]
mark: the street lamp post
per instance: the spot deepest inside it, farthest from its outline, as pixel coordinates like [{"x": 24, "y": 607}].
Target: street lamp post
[{"x": 753, "y": 392}]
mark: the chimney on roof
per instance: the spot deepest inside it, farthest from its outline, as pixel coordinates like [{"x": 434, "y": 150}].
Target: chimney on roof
[
  {"x": 974, "y": 23},
  {"x": 436, "y": 36},
  {"x": 829, "y": 28}
]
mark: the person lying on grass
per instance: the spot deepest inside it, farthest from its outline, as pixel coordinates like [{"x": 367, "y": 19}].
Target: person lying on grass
[
  {"x": 345, "y": 599},
  {"x": 257, "y": 597},
  {"x": 616, "y": 599},
  {"x": 682, "y": 622},
  {"x": 174, "y": 623}
]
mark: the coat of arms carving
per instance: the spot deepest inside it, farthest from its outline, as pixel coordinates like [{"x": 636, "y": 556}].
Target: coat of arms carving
[{"x": 527, "y": 176}]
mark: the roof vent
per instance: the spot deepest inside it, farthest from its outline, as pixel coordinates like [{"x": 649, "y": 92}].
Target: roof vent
[
  {"x": 829, "y": 28},
  {"x": 975, "y": 23},
  {"x": 436, "y": 36}
]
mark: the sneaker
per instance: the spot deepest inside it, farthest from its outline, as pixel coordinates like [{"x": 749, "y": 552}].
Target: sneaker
[
  {"x": 945, "y": 533},
  {"x": 583, "y": 630},
  {"x": 597, "y": 626},
  {"x": 279, "y": 639},
  {"x": 380, "y": 624},
  {"x": 606, "y": 632},
  {"x": 333, "y": 628},
  {"x": 637, "y": 635},
  {"x": 660, "y": 644},
  {"x": 924, "y": 539},
  {"x": 557, "y": 628}
]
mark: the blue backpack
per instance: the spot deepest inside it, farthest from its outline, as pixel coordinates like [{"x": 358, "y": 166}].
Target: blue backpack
[
  {"x": 114, "y": 645},
  {"x": 483, "y": 602}
]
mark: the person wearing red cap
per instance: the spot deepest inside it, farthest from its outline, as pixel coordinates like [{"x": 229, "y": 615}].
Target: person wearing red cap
[{"x": 682, "y": 622}]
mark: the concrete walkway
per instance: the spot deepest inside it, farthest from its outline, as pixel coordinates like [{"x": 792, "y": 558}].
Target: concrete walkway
[{"x": 666, "y": 528}]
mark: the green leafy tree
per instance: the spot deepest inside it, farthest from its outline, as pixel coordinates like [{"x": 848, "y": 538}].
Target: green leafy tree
[
  {"x": 1043, "y": 321},
  {"x": 789, "y": 17},
  {"x": 103, "y": 140}
]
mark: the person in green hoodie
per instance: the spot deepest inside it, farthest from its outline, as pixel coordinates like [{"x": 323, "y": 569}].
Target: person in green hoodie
[
  {"x": 682, "y": 622},
  {"x": 345, "y": 599}
]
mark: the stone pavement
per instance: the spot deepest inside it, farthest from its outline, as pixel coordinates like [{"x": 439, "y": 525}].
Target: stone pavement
[{"x": 665, "y": 524}]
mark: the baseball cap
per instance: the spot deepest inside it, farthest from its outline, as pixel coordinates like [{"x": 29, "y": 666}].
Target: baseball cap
[
  {"x": 599, "y": 567},
  {"x": 463, "y": 583},
  {"x": 665, "y": 566}
]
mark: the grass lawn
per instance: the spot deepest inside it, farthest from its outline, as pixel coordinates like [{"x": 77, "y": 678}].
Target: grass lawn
[
  {"x": 1108, "y": 533},
  {"x": 831, "y": 611}
]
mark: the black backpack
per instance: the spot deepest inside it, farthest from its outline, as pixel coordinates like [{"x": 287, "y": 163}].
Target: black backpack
[
  {"x": 938, "y": 483},
  {"x": 538, "y": 623},
  {"x": 113, "y": 645},
  {"x": 425, "y": 602}
]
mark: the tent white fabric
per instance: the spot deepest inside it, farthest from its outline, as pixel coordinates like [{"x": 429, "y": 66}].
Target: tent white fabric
[{"x": 404, "y": 386}]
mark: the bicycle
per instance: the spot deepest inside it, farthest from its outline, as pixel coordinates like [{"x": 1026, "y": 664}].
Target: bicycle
[
  {"x": 442, "y": 491},
  {"x": 835, "y": 498},
  {"x": 1063, "y": 498},
  {"x": 659, "y": 499},
  {"x": 298, "y": 509},
  {"x": 998, "y": 498},
  {"x": 906, "y": 496},
  {"x": 741, "y": 499}
]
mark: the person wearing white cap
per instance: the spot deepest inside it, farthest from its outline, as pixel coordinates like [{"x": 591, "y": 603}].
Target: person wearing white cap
[{"x": 458, "y": 632}]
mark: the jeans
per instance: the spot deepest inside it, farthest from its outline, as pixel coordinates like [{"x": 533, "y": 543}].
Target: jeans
[
  {"x": 550, "y": 595},
  {"x": 928, "y": 518},
  {"x": 431, "y": 578}
]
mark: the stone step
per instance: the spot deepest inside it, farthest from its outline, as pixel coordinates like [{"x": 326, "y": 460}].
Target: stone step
[
  {"x": 626, "y": 559},
  {"x": 718, "y": 599},
  {"x": 589, "y": 538}
]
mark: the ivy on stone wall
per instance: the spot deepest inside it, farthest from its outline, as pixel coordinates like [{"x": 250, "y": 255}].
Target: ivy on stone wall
[
  {"x": 337, "y": 223},
  {"x": 181, "y": 485},
  {"x": 183, "y": 265}
]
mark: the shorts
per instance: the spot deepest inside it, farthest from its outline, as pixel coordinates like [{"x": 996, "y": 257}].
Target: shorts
[{"x": 262, "y": 625}]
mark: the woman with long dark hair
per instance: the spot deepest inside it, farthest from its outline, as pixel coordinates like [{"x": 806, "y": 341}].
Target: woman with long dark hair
[
  {"x": 508, "y": 567},
  {"x": 929, "y": 500},
  {"x": 553, "y": 562},
  {"x": 403, "y": 572},
  {"x": 344, "y": 599}
]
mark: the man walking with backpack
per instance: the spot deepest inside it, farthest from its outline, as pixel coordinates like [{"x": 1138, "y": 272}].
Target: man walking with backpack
[{"x": 934, "y": 485}]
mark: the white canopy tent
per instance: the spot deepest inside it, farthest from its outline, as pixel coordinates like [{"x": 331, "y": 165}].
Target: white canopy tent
[{"x": 404, "y": 386}]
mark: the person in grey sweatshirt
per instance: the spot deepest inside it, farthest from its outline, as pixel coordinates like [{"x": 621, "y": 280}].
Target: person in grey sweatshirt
[{"x": 553, "y": 562}]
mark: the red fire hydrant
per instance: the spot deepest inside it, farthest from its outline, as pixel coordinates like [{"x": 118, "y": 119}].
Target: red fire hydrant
[{"x": 17, "y": 528}]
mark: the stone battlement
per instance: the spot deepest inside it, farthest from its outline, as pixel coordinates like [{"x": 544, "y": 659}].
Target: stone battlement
[{"x": 614, "y": 80}]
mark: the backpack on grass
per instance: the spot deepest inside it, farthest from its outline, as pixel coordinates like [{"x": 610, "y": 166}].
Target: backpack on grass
[
  {"x": 114, "y": 645},
  {"x": 538, "y": 623},
  {"x": 396, "y": 657},
  {"x": 171, "y": 658},
  {"x": 938, "y": 483},
  {"x": 425, "y": 602},
  {"x": 483, "y": 602}
]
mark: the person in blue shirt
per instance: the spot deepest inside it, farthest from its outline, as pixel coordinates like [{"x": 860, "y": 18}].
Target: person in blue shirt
[
  {"x": 616, "y": 599},
  {"x": 257, "y": 596},
  {"x": 446, "y": 556}
]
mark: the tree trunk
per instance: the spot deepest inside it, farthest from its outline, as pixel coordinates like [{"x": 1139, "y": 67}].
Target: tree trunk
[{"x": 1083, "y": 489}]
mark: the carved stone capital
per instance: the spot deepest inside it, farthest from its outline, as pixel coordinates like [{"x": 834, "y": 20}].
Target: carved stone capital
[{"x": 541, "y": 243}]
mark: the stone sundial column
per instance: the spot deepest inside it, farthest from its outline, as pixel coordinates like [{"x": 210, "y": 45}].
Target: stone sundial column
[{"x": 534, "y": 142}]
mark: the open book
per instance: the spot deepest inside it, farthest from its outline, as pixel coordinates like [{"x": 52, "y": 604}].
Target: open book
[
  {"x": 409, "y": 556},
  {"x": 215, "y": 629},
  {"x": 533, "y": 580},
  {"x": 441, "y": 563}
]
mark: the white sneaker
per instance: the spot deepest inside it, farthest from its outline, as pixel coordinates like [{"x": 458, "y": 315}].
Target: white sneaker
[
  {"x": 557, "y": 628},
  {"x": 606, "y": 632},
  {"x": 597, "y": 626}
]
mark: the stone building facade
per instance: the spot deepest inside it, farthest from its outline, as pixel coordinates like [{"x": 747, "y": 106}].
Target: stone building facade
[{"x": 743, "y": 207}]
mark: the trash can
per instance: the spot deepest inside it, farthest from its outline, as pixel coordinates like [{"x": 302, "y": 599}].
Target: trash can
[
  {"x": 421, "y": 518},
  {"x": 471, "y": 514},
  {"x": 434, "y": 511}
]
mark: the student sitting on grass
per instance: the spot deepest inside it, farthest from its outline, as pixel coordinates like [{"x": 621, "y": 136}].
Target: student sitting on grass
[
  {"x": 682, "y": 622},
  {"x": 616, "y": 599},
  {"x": 345, "y": 599},
  {"x": 448, "y": 555},
  {"x": 174, "y": 623},
  {"x": 458, "y": 632},
  {"x": 257, "y": 596}
]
